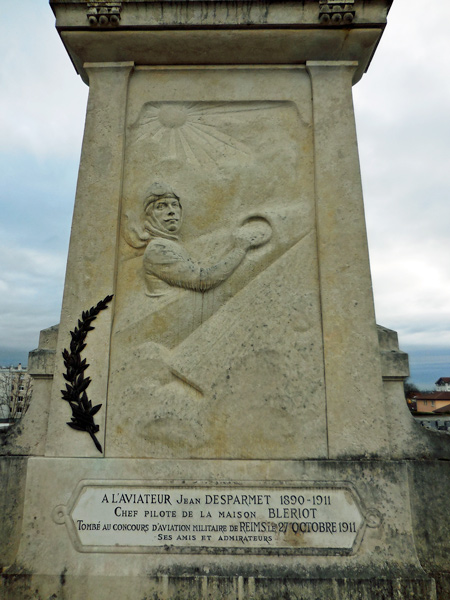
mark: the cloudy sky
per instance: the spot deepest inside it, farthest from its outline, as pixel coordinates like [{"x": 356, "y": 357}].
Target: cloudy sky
[{"x": 403, "y": 117}]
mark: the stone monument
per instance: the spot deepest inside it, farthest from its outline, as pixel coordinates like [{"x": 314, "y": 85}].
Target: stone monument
[{"x": 217, "y": 415}]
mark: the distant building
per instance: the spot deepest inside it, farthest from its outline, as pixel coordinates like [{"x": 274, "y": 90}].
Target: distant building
[
  {"x": 436, "y": 402},
  {"x": 5, "y": 412},
  {"x": 15, "y": 392},
  {"x": 443, "y": 384}
]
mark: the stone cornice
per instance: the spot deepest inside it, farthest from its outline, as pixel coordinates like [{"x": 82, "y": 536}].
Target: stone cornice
[
  {"x": 171, "y": 32},
  {"x": 148, "y": 13}
]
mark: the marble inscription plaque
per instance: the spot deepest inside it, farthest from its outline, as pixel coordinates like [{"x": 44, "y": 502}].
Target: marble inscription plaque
[{"x": 107, "y": 517}]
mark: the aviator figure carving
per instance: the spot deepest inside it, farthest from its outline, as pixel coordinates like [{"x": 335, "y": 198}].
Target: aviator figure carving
[{"x": 168, "y": 263}]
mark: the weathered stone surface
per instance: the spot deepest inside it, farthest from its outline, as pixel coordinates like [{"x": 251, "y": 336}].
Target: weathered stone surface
[
  {"x": 346, "y": 293},
  {"x": 91, "y": 261},
  {"x": 212, "y": 370},
  {"x": 225, "y": 588},
  {"x": 41, "y": 362},
  {"x": 430, "y": 482},
  {"x": 380, "y": 490},
  {"x": 394, "y": 362},
  {"x": 187, "y": 356},
  {"x": 219, "y": 200},
  {"x": 376, "y": 568},
  {"x": 12, "y": 490}
]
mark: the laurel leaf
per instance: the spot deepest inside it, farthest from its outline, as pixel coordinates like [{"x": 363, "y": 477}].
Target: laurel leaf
[
  {"x": 76, "y": 426},
  {"x": 94, "y": 410}
]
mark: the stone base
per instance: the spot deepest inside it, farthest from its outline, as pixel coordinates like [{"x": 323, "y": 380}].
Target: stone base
[
  {"x": 213, "y": 588},
  {"x": 399, "y": 552}
]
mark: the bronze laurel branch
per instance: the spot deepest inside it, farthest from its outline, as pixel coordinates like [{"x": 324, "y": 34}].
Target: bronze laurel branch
[{"x": 75, "y": 393}]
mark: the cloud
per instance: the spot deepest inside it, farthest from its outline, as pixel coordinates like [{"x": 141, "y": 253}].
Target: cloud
[
  {"x": 427, "y": 364},
  {"x": 404, "y": 130},
  {"x": 30, "y": 294},
  {"x": 43, "y": 101},
  {"x": 36, "y": 199}
]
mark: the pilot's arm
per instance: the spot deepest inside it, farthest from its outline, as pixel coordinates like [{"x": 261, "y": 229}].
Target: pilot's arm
[{"x": 169, "y": 261}]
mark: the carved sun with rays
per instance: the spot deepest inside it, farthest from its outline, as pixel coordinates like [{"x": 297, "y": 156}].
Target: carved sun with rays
[{"x": 189, "y": 131}]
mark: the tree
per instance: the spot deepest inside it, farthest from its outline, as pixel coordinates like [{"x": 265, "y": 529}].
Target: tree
[
  {"x": 16, "y": 389},
  {"x": 410, "y": 388}
]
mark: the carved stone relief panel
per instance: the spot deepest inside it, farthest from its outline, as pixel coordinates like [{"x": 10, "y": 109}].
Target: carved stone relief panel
[{"x": 216, "y": 348}]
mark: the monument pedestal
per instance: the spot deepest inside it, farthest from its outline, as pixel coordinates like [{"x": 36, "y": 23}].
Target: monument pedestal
[
  {"x": 237, "y": 421},
  {"x": 217, "y": 529}
]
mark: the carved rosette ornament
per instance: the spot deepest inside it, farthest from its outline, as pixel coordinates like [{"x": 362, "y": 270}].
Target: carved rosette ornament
[
  {"x": 335, "y": 12},
  {"x": 104, "y": 14}
]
